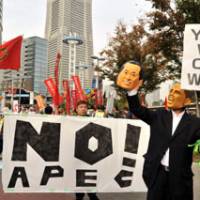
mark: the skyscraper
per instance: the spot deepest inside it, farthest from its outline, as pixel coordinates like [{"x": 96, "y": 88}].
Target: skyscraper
[{"x": 65, "y": 18}]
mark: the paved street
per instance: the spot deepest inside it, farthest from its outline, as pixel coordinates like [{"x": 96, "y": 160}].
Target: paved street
[
  {"x": 129, "y": 196},
  {"x": 120, "y": 196}
]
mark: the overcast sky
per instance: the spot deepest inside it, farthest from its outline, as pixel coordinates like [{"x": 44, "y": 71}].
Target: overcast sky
[{"x": 28, "y": 17}]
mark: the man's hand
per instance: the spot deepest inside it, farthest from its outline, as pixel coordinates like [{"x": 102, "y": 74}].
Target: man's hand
[{"x": 196, "y": 157}]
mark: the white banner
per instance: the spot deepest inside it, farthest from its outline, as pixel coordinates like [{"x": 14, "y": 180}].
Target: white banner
[
  {"x": 73, "y": 154},
  {"x": 190, "y": 75}
]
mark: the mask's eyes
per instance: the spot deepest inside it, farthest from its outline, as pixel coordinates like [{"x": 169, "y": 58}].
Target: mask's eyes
[
  {"x": 178, "y": 92},
  {"x": 171, "y": 90},
  {"x": 133, "y": 74},
  {"x": 126, "y": 71}
]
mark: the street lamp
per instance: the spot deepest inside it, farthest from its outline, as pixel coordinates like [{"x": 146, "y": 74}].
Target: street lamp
[
  {"x": 82, "y": 67},
  {"x": 96, "y": 73},
  {"x": 72, "y": 41},
  {"x": 98, "y": 59}
]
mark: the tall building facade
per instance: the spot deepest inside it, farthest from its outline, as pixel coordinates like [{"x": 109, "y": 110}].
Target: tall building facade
[
  {"x": 65, "y": 18},
  {"x": 35, "y": 64},
  {"x": 33, "y": 70}
]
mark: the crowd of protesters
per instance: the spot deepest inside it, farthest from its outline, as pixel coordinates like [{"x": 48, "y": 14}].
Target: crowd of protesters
[{"x": 100, "y": 111}]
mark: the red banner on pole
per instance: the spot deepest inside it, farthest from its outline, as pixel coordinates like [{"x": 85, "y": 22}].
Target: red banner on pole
[
  {"x": 74, "y": 98},
  {"x": 79, "y": 90},
  {"x": 67, "y": 95},
  {"x": 56, "y": 70},
  {"x": 99, "y": 98},
  {"x": 51, "y": 87}
]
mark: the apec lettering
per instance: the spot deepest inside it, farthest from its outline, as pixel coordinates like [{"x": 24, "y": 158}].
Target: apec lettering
[{"x": 47, "y": 145}]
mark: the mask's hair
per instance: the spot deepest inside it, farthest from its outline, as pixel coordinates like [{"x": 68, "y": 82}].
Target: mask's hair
[{"x": 141, "y": 74}]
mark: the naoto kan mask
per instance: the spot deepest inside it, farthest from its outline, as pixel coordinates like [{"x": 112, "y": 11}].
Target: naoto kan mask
[
  {"x": 129, "y": 77},
  {"x": 177, "y": 97}
]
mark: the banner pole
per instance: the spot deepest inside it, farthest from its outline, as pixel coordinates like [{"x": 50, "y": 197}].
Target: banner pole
[
  {"x": 12, "y": 89},
  {"x": 197, "y": 104}
]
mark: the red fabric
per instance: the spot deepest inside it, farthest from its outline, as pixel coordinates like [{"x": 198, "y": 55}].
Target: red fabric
[
  {"x": 95, "y": 98},
  {"x": 51, "y": 87},
  {"x": 74, "y": 98},
  {"x": 99, "y": 98},
  {"x": 79, "y": 90},
  {"x": 10, "y": 54},
  {"x": 56, "y": 70},
  {"x": 67, "y": 95}
]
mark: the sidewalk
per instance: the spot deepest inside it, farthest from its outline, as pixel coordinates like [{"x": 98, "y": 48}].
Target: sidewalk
[{"x": 31, "y": 196}]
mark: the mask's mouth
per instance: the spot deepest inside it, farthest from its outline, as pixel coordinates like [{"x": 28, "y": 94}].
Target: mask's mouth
[
  {"x": 170, "y": 98},
  {"x": 127, "y": 81}
]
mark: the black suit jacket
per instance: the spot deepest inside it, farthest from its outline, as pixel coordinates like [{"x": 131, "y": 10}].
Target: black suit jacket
[{"x": 180, "y": 156}]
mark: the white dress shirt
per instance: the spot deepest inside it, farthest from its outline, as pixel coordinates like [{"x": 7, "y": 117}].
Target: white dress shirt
[{"x": 176, "y": 118}]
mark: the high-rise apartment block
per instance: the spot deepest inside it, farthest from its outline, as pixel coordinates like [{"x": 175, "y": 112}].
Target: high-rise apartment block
[{"x": 70, "y": 18}]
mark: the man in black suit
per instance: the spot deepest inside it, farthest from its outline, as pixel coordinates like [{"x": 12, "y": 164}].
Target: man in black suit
[{"x": 167, "y": 168}]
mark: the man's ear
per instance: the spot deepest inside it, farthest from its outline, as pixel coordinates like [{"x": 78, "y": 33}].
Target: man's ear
[{"x": 187, "y": 101}]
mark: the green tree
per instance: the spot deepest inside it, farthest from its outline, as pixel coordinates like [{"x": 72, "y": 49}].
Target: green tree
[
  {"x": 168, "y": 22},
  {"x": 129, "y": 45},
  {"x": 156, "y": 41}
]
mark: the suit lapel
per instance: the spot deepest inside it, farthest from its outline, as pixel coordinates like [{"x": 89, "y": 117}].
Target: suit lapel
[
  {"x": 168, "y": 123},
  {"x": 182, "y": 124}
]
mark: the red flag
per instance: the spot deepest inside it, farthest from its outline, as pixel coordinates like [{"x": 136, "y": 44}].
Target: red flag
[
  {"x": 79, "y": 90},
  {"x": 10, "y": 54},
  {"x": 99, "y": 98},
  {"x": 74, "y": 98},
  {"x": 56, "y": 70},
  {"x": 51, "y": 87},
  {"x": 67, "y": 95}
]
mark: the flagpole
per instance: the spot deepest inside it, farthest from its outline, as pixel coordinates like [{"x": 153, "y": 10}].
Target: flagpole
[
  {"x": 20, "y": 90},
  {"x": 11, "y": 89}
]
